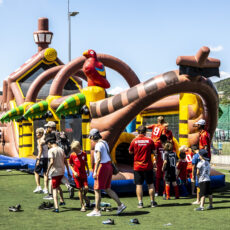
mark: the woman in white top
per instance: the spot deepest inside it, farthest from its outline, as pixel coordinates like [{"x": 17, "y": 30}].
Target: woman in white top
[
  {"x": 41, "y": 161},
  {"x": 102, "y": 174}
]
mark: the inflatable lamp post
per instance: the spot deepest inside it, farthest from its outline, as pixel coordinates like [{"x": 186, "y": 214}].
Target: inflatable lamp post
[{"x": 43, "y": 36}]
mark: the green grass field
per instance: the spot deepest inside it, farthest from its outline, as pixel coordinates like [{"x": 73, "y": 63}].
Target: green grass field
[{"x": 16, "y": 187}]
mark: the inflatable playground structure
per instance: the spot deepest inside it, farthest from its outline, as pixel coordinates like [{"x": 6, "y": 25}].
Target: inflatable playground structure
[{"x": 44, "y": 89}]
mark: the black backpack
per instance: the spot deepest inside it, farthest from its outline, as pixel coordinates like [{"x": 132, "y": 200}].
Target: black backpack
[{"x": 63, "y": 142}]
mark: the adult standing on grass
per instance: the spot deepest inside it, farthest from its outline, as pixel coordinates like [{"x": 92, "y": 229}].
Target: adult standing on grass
[
  {"x": 142, "y": 147},
  {"x": 204, "y": 137},
  {"x": 41, "y": 161},
  {"x": 56, "y": 169},
  {"x": 102, "y": 173},
  {"x": 203, "y": 172}
]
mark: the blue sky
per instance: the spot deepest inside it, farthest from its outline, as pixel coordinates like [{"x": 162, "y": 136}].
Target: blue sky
[{"x": 148, "y": 35}]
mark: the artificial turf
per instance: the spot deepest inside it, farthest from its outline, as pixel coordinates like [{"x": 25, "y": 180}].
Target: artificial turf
[{"x": 17, "y": 188}]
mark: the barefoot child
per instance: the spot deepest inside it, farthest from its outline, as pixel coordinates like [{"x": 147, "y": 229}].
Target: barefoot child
[{"x": 78, "y": 162}]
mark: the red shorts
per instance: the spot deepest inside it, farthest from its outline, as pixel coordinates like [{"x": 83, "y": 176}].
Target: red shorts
[
  {"x": 81, "y": 182},
  {"x": 56, "y": 181},
  {"x": 104, "y": 176}
]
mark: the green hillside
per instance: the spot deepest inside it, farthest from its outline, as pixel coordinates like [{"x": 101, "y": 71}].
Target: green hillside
[{"x": 224, "y": 86}]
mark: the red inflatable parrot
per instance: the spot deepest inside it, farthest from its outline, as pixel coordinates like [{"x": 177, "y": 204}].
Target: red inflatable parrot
[{"x": 94, "y": 70}]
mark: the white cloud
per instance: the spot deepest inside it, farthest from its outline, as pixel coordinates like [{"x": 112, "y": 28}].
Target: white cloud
[
  {"x": 116, "y": 90},
  {"x": 223, "y": 75},
  {"x": 1, "y": 1},
  {"x": 216, "y": 48}
]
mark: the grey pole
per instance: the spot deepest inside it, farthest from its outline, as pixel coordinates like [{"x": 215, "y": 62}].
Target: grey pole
[{"x": 70, "y": 14}]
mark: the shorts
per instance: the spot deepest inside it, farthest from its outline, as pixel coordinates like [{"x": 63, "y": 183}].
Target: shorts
[
  {"x": 205, "y": 188},
  {"x": 56, "y": 181},
  {"x": 189, "y": 173},
  {"x": 104, "y": 176},
  {"x": 81, "y": 182},
  {"x": 42, "y": 166},
  {"x": 170, "y": 177},
  {"x": 141, "y": 176}
]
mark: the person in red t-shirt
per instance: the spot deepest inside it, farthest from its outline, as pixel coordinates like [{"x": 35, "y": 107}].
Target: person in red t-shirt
[
  {"x": 142, "y": 147},
  {"x": 167, "y": 132},
  {"x": 159, "y": 162},
  {"x": 78, "y": 162},
  {"x": 157, "y": 130},
  {"x": 204, "y": 137}
]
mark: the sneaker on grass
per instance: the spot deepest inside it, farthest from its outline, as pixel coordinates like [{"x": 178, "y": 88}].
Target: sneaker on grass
[
  {"x": 48, "y": 197},
  {"x": 94, "y": 213},
  {"x": 120, "y": 209},
  {"x": 153, "y": 204},
  {"x": 209, "y": 207},
  {"x": 199, "y": 209},
  {"x": 45, "y": 191},
  {"x": 140, "y": 205},
  {"x": 56, "y": 210},
  {"x": 38, "y": 190}
]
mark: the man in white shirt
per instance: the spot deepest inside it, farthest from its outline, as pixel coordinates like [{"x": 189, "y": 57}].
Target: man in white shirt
[{"x": 102, "y": 174}]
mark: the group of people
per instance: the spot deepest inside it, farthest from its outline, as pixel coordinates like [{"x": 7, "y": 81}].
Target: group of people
[
  {"x": 158, "y": 150},
  {"x": 52, "y": 160},
  {"x": 192, "y": 162}
]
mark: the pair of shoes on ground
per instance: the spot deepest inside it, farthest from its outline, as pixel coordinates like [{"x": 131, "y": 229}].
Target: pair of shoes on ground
[
  {"x": 153, "y": 204},
  {"x": 16, "y": 208},
  {"x": 120, "y": 209},
  {"x": 202, "y": 208},
  {"x": 48, "y": 197},
  {"x": 46, "y": 206}
]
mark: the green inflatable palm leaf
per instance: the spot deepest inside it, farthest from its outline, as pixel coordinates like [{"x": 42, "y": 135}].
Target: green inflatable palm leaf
[
  {"x": 12, "y": 114},
  {"x": 71, "y": 105},
  {"x": 37, "y": 110}
]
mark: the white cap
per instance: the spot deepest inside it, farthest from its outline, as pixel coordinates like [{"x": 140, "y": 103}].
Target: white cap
[
  {"x": 200, "y": 122},
  {"x": 51, "y": 124},
  {"x": 93, "y": 132}
]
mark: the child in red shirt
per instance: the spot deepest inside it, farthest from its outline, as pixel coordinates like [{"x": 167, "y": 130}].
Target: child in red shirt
[
  {"x": 182, "y": 167},
  {"x": 182, "y": 173},
  {"x": 78, "y": 162}
]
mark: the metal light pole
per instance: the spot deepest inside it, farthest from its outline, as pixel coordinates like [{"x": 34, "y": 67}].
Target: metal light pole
[{"x": 70, "y": 14}]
